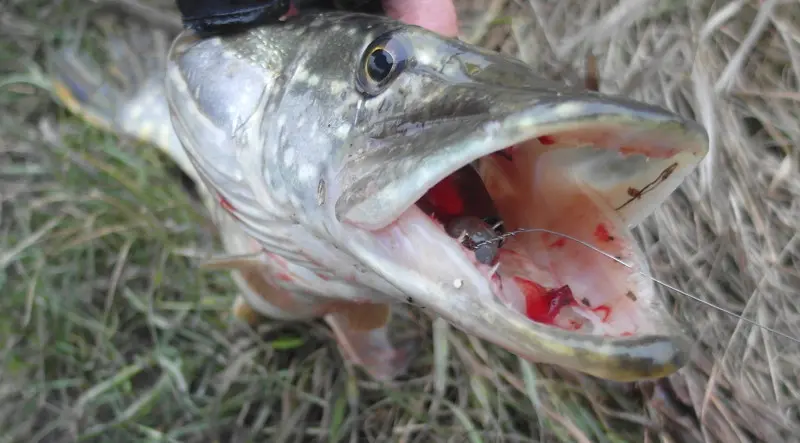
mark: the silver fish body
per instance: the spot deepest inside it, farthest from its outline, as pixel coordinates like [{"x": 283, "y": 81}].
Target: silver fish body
[{"x": 319, "y": 139}]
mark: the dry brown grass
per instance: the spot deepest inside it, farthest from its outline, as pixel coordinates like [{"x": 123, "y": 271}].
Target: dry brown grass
[
  {"x": 729, "y": 235},
  {"x": 110, "y": 335}
]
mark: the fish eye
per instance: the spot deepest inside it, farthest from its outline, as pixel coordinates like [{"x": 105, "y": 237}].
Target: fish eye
[
  {"x": 380, "y": 64},
  {"x": 382, "y": 61}
]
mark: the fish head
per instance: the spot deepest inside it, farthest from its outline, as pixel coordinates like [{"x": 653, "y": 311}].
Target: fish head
[{"x": 378, "y": 148}]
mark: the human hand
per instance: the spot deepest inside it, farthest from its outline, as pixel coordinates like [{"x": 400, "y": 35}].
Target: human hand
[{"x": 437, "y": 15}]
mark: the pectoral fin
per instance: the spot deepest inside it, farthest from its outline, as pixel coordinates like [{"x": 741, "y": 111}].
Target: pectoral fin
[
  {"x": 365, "y": 316},
  {"x": 361, "y": 330},
  {"x": 259, "y": 292}
]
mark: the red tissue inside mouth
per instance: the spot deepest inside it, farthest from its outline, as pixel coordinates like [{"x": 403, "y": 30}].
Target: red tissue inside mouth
[
  {"x": 543, "y": 305},
  {"x": 445, "y": 198},
  {"x": 463, "y": 194}
]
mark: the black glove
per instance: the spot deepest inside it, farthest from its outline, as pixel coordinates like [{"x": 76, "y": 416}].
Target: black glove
[
  {"x": 221, "y": 15},
  {"x": 210, "y": 16}
]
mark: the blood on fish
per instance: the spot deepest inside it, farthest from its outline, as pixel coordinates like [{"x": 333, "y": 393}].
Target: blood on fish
[
  {"x": 282, "y": 276},
  {"x": 542, "y": 305},
  {"x": 226, "y": 204},
  {"x": 446, "y": 198},
  {"x": 601, "y": 232},
  {"x": 547, "y": 140},
  {"x": 605, "y": 310},
  {"x": 278, "y": 260},
  {"x": 322, "y": 276},
  {"x": 560, "y": 243}
]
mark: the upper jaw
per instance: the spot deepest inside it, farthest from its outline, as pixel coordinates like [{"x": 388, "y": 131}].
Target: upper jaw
[{"x": 393, "y": 171}]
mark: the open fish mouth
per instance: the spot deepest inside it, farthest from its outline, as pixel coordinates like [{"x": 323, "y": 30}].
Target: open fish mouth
[
  {"x": 419, "y": 145},
  {"x": 588, "y": 167}
]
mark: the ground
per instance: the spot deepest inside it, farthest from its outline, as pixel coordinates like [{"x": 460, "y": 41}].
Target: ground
[{"x": 110, "y": 333}]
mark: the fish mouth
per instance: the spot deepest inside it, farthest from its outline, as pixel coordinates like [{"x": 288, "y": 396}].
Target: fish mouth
[{"x": 580, "y": 172}]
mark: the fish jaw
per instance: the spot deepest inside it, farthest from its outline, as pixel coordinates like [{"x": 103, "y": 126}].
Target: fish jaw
[
  {"x": 581, "y": 164},
  {"x": 572, "y": 176},
  {"x": 575, "y": 163}
]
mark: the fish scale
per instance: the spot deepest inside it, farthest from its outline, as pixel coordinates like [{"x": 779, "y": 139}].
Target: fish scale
[{"x": 313, "y": 171}]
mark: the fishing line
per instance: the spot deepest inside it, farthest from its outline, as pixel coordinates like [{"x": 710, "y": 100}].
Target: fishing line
[{"x": 501, "y": 237}]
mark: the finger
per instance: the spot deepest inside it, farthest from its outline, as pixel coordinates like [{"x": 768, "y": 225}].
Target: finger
[{"x": 437, "y": 15}]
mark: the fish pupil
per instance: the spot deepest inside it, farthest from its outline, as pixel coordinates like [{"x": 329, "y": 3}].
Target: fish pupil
[{"x": 380, "y": 65}]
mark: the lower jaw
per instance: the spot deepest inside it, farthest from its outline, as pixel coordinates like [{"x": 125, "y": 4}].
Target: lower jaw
[
  {"x": 415, "y": 255},
  {"x": 419, "y": 240}
]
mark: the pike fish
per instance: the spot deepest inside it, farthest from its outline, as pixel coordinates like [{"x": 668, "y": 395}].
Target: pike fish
[{"x": 353, "y": 163}]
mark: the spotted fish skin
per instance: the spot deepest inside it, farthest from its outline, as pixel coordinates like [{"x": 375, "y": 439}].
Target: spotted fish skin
[
  {"x": 128, "y": 97},
  {"x": 311, "y": 169},
  {"x": 290, "y": 119}
]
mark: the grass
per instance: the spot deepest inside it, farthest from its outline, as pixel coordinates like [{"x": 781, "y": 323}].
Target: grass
[
  {"x": 110, "y": 332},
  {"x": 112, "y": 335}
]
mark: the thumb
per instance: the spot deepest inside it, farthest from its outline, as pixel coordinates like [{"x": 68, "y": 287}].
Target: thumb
[{"x": 437, "y": 15}]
